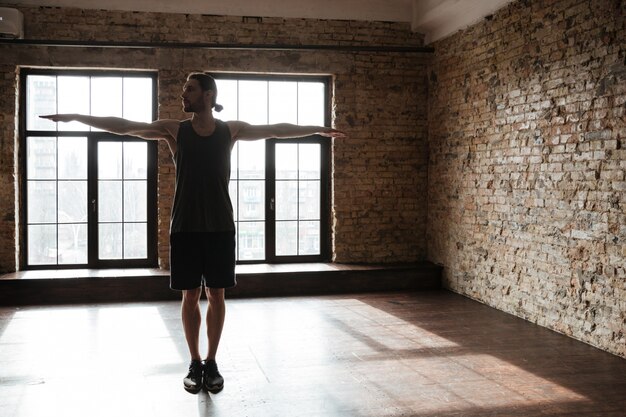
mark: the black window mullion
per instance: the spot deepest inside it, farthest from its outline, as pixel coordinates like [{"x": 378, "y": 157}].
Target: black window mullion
[
  {"x": 325, "y": 199},
  {"x": 93, "y": 203},
  {"x": 56, "y": 173},
  {"x": 270, "y": 200},
  {"x": 56, "y": 192},
  {"x": 92, "y": 186},
  {"x": 123, "y": 199},
  {"x": 152, "y": 203},
  {"x": 123, "y": 182},
  {"x": 298, "y": 199}
]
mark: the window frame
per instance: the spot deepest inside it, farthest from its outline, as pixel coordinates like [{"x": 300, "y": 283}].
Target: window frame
[
  {"x": 325, "y": 199},
  {"x": 93, "y": 139},
  {"x": 270, "y": 172}
]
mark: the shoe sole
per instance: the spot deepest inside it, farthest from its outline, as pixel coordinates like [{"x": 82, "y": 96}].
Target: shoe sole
[
  {"x": 192, "y": 390},
  {"x": 214, "y": 389}
]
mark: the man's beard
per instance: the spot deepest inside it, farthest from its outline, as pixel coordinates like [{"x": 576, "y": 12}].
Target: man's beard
[{"x": 193, "y": 108}]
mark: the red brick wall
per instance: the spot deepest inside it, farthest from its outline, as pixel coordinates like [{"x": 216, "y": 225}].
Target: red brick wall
[
  {"x": 527, "y": 142},
  {"x": 8, "y": 180}
]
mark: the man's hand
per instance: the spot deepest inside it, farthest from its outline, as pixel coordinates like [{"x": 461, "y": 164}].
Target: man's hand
[
  {"x": 333, "y": 133},
  {"x": 59, "y": 117}
]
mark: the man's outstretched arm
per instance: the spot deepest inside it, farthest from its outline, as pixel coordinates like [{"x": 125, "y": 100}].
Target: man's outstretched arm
[
  {"x": 160, "y": 129},
  {"x": 246, "y": 131}
]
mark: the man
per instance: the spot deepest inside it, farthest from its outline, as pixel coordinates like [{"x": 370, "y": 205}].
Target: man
[{"x": 202, "y": 230}]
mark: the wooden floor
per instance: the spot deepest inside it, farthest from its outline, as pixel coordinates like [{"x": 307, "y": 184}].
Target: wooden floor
[{"x": 389, "y": 354}]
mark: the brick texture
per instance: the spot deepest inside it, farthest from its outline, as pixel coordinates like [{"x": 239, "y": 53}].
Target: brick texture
[
  {"x": 8, "y": 179},
  {"x": 380, "y": 99},
  {"x": 527, "y": 150}
]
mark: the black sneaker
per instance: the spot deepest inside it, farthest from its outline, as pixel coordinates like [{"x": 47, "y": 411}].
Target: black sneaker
[
  {"x": 193, "y": 380},
  {"x": 212, "y": 381}
]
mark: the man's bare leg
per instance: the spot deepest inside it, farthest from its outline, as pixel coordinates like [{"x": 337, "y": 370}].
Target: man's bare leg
[
  {"x": 215, "y": 315},
  {"x": 190, "y": 312},
  {"x": 192, "y": 318},
  {"x": 212, "y": 380}
]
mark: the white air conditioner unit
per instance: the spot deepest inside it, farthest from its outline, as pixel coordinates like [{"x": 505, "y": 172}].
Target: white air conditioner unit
[{"x": 11, "y": 23}]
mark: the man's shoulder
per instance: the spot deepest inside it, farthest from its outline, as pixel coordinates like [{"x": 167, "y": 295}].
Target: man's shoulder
[
  {"x": 169, "y": 123},
  {"x": 178, "y": 124},
  {"x": 234, "y": 126}
]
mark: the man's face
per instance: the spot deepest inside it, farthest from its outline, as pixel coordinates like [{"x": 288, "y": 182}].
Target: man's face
[{"x": 194, "y": 99}]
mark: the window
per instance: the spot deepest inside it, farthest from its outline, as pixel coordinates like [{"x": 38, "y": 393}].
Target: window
[
  {"x": 279, "y": 188},
  {"x": 90, "y": 196}
]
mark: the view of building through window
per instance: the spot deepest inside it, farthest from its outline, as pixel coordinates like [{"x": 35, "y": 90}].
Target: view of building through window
[
  {"x": 87, "y": 192},
  {"x": 294, "y": 187},
  {"x": 59, "y": 207}
]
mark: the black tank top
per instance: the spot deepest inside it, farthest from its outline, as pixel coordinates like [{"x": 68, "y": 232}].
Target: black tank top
[{"x": 201, "y": 199}]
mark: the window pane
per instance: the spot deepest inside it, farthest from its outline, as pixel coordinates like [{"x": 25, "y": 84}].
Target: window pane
[
  {"x": 286, "y": 238},
  {"x": 252, "y": 160},
  {"x": 251, "y": 200},
  {"x": 309, "y": 200},
  {"x": 311, "y": 103},
  {"x": 309, "y": 157},
  {"x": 42, "y": 244},
  {"x": 253, "y": 102},
  {"x": 286, "y": 161},
  {"x": 135, "y": 201},
  {"x": 110, "y": 241},
  {"x": 73, "y": 158},
  {"x": 110, "y": 201},
  {"x": 72, "y": 201},
  {"x": 41, "y": 97},
  {"x": 73, "y": 97},
  {"x": 135, "y": 160},
  {"x": 137, "y": 99},
  {"x": 135, "y": 241},
  {"x": 73, "y": 243},
  {"x": 286, "y": 200},
  {"x": 106, "y": 97},
  {"x": 42, "y": 202},
  {"x": 42, "y": 158},
  {"x": 227, "y": 97},
  {"x": 309, "y": 234},
  {"x": 109, "y": 160},
  {"x": 251, "y": 240},
  {"x": 283, "y": 102}
]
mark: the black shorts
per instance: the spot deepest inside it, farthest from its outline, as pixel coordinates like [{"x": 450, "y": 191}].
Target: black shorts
[{"x": 197, "y": 258}]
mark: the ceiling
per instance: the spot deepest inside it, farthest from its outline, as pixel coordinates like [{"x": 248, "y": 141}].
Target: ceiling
[{"x": 435, "y": 18}]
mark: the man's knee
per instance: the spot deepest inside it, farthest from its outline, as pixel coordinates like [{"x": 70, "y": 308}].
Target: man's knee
[
  {"x": 215, "y": 295},
  {"x": 192, "y": 296}
]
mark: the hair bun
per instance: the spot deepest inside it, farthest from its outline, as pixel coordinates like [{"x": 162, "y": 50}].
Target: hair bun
[{"x": 218, "y": 107}]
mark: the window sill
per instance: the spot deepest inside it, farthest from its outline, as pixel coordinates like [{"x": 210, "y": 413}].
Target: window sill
[{"x": 247, "y": 269}]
